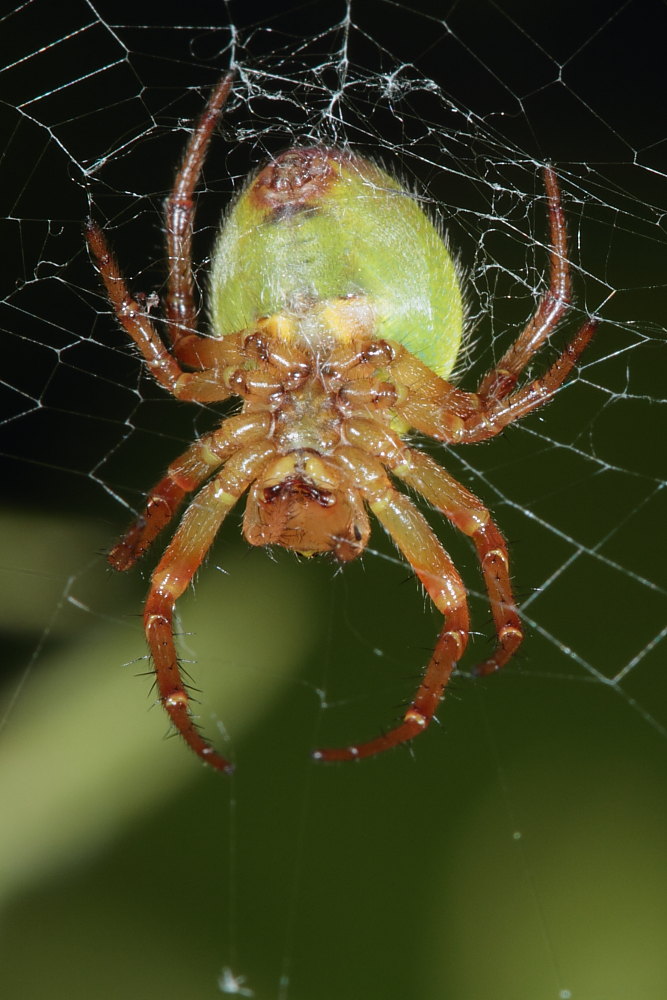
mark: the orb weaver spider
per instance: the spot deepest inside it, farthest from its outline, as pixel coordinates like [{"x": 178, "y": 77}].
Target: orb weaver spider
[{"x": 336, "y": 315}]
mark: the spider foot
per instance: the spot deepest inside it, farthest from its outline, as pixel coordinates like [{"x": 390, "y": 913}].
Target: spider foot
[
  {"x": 176, "y": 706},
  {"x": 413, "y": 724},
  {"x": 510, "y": 639}
]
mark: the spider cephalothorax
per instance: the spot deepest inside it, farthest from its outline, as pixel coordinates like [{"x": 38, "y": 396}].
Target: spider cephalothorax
[{"x": 336, "y": 317}]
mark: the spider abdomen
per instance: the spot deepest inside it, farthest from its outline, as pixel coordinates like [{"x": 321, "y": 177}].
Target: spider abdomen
[{"x": 319, "y": 225}]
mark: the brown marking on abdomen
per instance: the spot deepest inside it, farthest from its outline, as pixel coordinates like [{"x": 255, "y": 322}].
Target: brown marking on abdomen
[{"x": 296, "y": 180}]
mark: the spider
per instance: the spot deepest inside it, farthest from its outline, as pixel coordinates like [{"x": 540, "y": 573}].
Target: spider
[{"x": 336, "y": 317}]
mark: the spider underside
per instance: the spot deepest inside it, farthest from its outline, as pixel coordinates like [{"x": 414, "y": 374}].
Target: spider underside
[{"x": 320, "y": 435}]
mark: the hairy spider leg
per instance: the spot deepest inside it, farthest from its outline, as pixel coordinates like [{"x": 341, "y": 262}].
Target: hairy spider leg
[
  {"x": 130, "y": 314},
  {"x": 486, "y": 423},
  {"x": 463, "y": 510},
  {"x": 553, "y": 305},
  {"x": 184, "y": 475},
  {"x": 420, "y": 547},
  {"x": 204, "y": 386},
  {"x": 172, "y": 576},
  {"x": 433, "y": 406},
  {"x": 180, "y": 308},
  {"x": 467, "y": 513}
]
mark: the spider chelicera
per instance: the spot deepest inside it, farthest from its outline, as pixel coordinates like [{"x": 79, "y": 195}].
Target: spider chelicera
[{"x": 336, "y": 317}]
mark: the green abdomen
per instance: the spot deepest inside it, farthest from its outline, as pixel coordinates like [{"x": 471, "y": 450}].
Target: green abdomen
[{"x": 318, "y": 224}]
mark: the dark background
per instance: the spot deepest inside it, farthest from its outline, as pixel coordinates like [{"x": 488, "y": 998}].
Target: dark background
[{"x": 518, "y": 850}]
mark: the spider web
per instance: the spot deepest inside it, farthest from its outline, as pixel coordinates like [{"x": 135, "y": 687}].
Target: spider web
[{"x": 530, "y": 823}]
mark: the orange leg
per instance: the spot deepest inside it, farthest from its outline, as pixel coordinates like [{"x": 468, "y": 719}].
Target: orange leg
[
  {"x": 203, "y": 386},
  {"x": 494, "y": 558},
  {"x": 184, "y": 475},
  {"x": 131, "y": 315},
  {"x": 552, "y": 307},
  {"x": 181, "y": 313},
  {"x": 489, "y": 421},
  {"x": 470, "y": 516},
  {"x": 434, "y": 568},
  {"x": 163, "y": 501},
  {"x": 172, "y": 576},
  {"x": 435, "y": 407},
  {"x": 466, "y": 512}
]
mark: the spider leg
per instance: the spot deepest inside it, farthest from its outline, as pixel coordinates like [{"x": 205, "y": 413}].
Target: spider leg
[
  {"x": 462, "y": 509},
  {"x": 185, "y": 474},
  {"x": 413, "y": 536},
  {"x": 202, "y": 386},
  {"x": 180, "y": 309},
  {"x": 490, "y": 420},
  {"x": 131, "y": 315},
  {"x": 500, "y": 381},
  {"x": 172, "y": 576},
  {"x": 467, "y": 513},
  {"x": 435, "y": 407}
]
